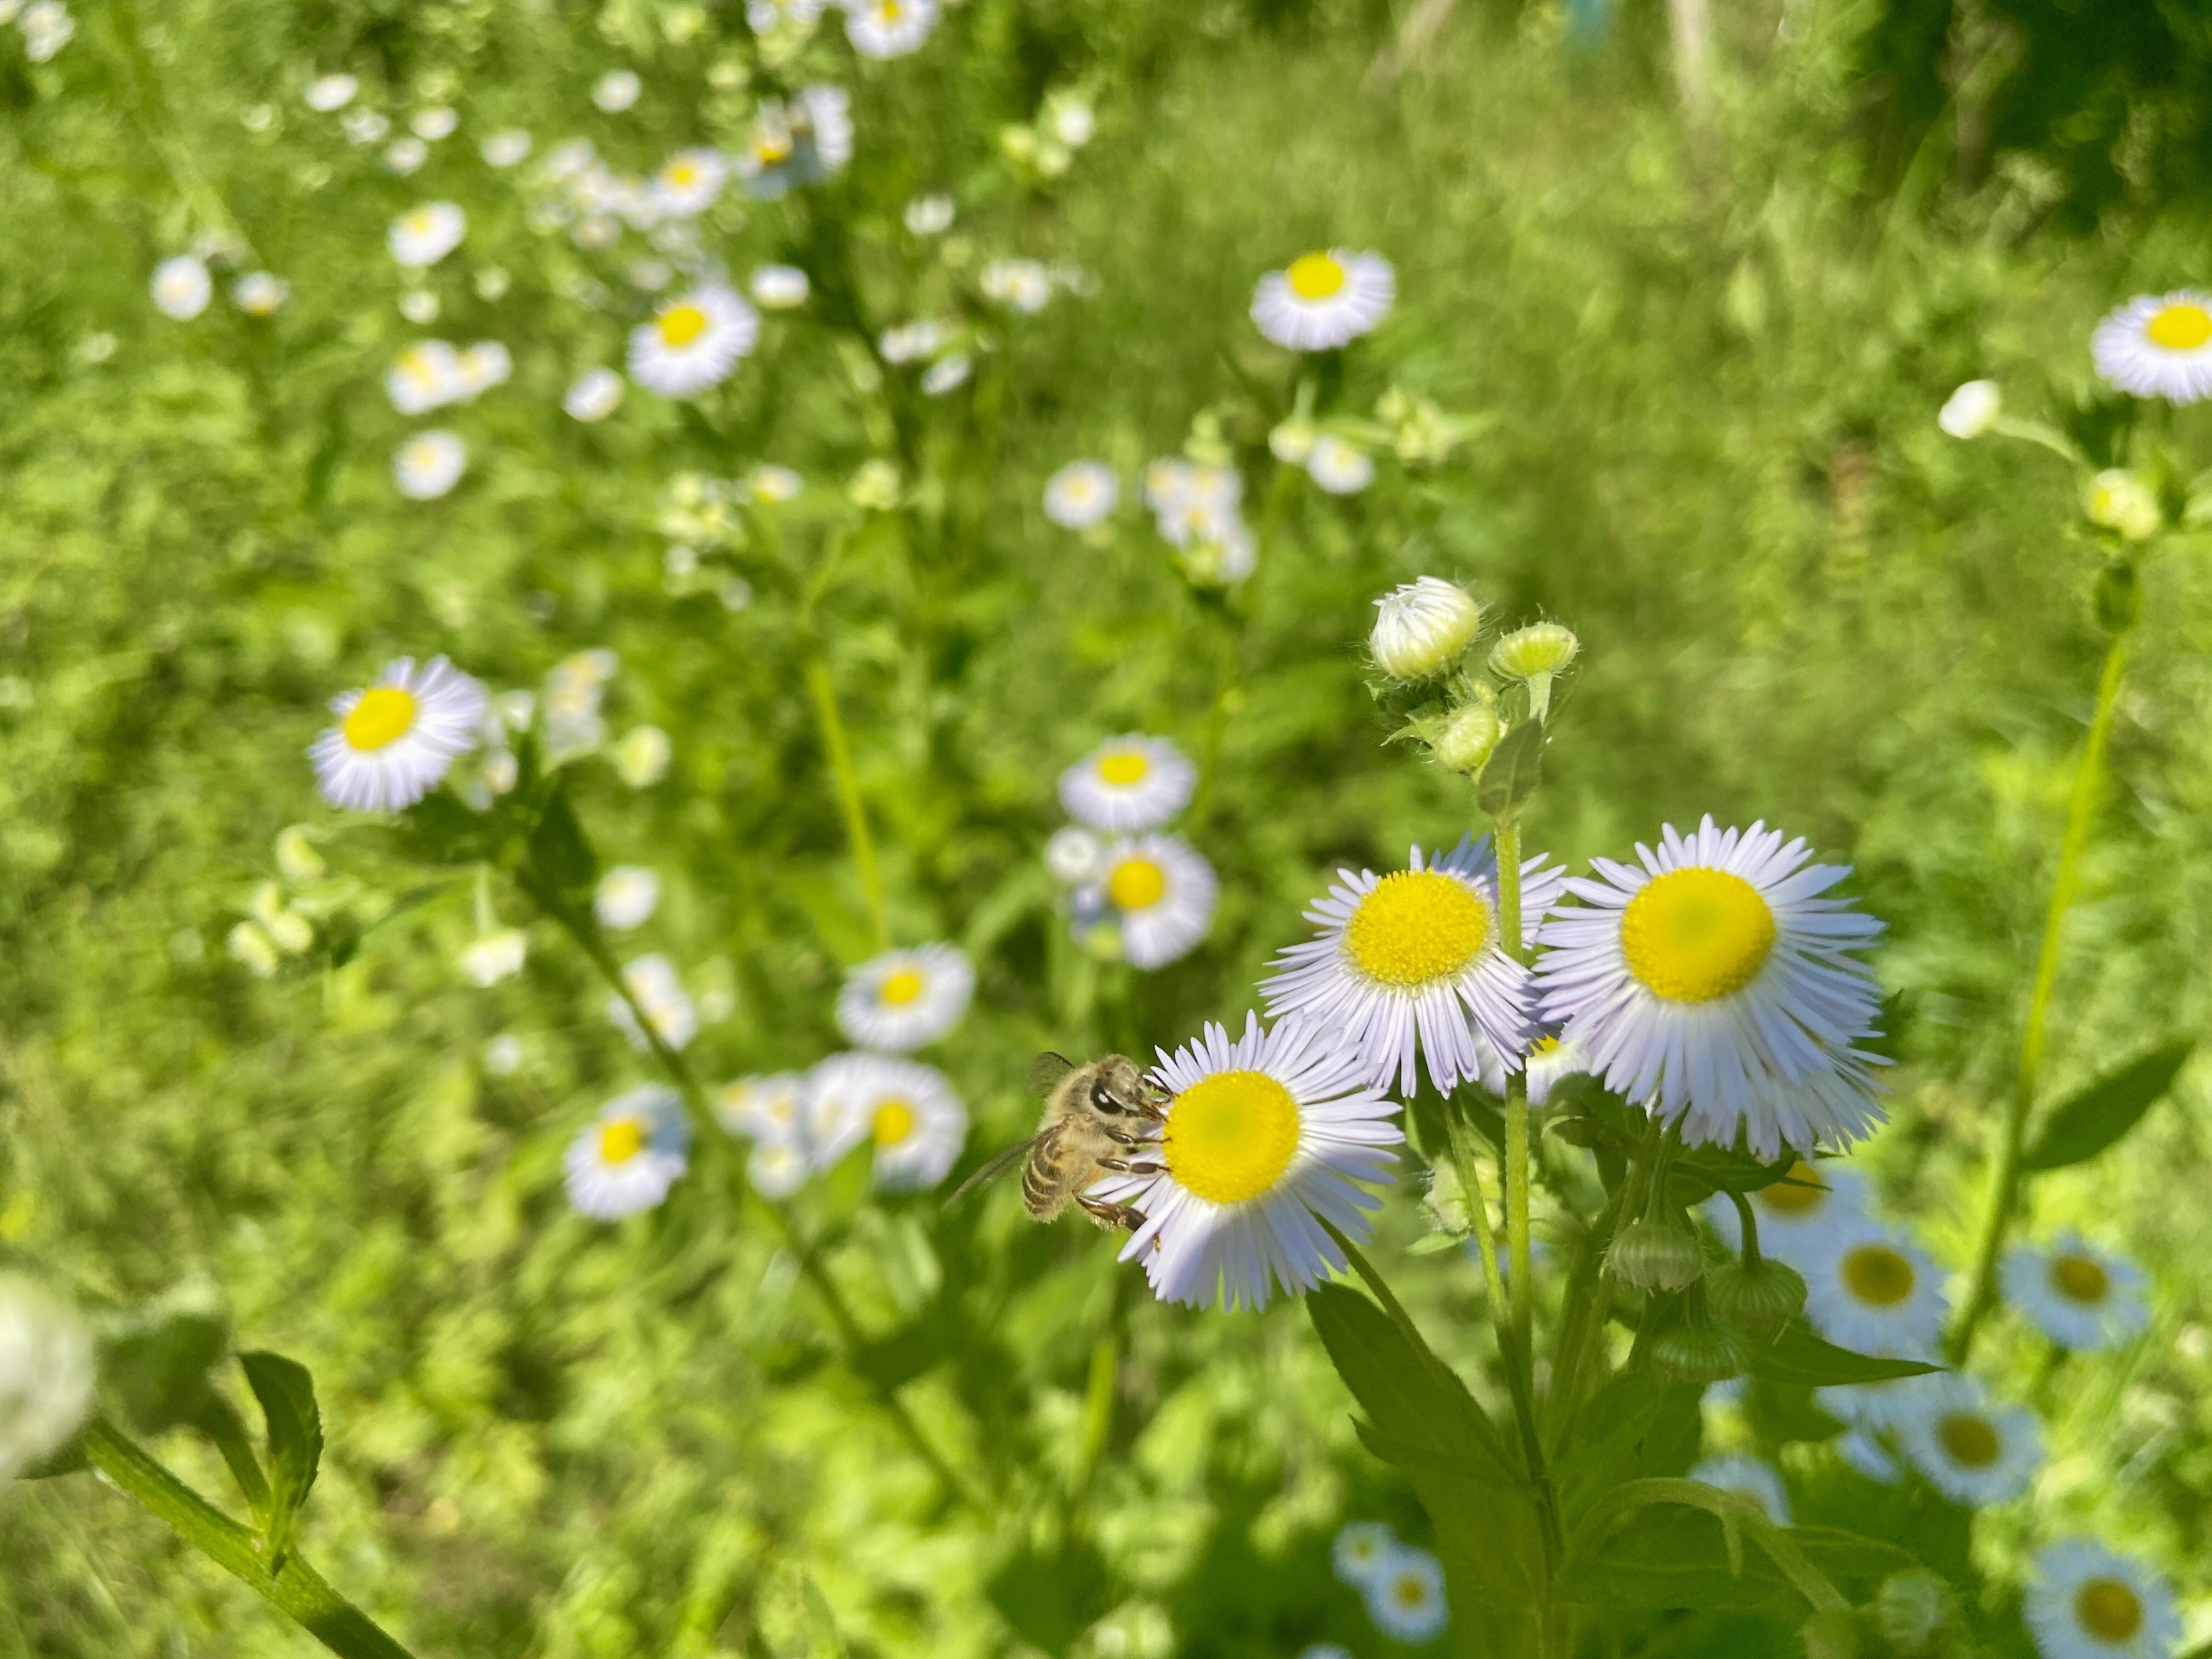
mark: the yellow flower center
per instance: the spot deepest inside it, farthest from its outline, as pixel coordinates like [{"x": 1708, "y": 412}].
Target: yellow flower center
[
  {"x": 1799, "y": 1193},
  {"x": 889, "y": 11},
  {"x": 902, "y": 987},
  {"x": 620, "y": 1140},
  {"x": 421, "y": 222},
  {"x": 415, "y": 363},
  {"x": 1123, "y": 768},
  {"x": 2180, "y": 328},
  {"x": 1691, "y": 935},
  {"x": 1877, "y": 1275},
  {"x": 385, "y": 714},
  {"x": 1544, "y": 1046},
  {"x": 1315, "y": 276},
  {"x": 1409, "y": 1591},
  {"x": 1969, "y": 1440},
  {"x": 681, "y": 324},
  {"x": 771, "y": 147},
  {"x": 683, "y": 173},
  {"x": 894, "y": 1122},
  {"x": 1416, "y": 926},
  {"x": 1136, "y": 884},
  {"x": 1230, "y": 1136},
  {"x": 2078, "y": 1278},
  {"x": 2108, "y": 1610}
]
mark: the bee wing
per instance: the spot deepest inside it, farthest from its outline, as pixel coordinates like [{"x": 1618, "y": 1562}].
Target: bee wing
[
  {"x": 998, "y": 1166},
  {"x": 1046, "y": 1072}
]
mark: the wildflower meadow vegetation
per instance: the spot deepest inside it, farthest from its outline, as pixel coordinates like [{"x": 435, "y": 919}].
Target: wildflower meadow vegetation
[{"x": 1249, "y": 827}]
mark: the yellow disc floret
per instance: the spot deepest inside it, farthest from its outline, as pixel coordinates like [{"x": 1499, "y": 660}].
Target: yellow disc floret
[
  {"x": 1416, "y": 927},
  {"x": 2078, "y": 1278},
  {"x": 681, "y": 324},
  {"x": 1316, "y": 276},
  {"x": 2180, "y": 328},
  {"x": 1799, "y": 1193},
  {"x": 2108, "y": 1610},
  {"x": 894, "y": 1122},
  {"x": 620, "y": 1140},
  {"x": 1969, "y": 1441},
  {"x": 1136, "y": 884},
  {"x": 1123, "y": 768},
  {"x": 385, "y": 714},
  {"x": 1879, "y": 1276},
  {"x": 1230, "y": 1136},
  {"x": 1695, "y": 934},
  {"x": 901, "y": 987}
]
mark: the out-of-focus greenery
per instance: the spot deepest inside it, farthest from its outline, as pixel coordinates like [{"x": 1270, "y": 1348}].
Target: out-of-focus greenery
[{"x": 1704, "y": 372}]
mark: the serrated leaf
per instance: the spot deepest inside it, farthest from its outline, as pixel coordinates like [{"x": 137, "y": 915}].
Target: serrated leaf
[
  {"x": 2093, "y": 1118},
  {"x": 1510, "y": 776},
  {"x": 1798, "y": 1355},
  {"x": 1410, "y": 1396},
  {"x": 287, "y": 1394},
  {"x": 160, "y": 1371}
]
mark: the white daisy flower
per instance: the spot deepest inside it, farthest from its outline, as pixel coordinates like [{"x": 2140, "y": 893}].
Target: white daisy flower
[
  {"x": 2158, "y": 346},
  {"x": 1360, "y": 1550},
  {"x": 766, "y": 1108},
  {"x": 494, "y": 957},
  {"x": 616, "y": 90},
  {"x": 47, "y": 26},
  {"x": 1799, "y": 1216},
  {"x": 506, "y": 148},
  {"x": 2085, "y": 1601},
  {"x": 364, "y": 126},
  {"x": 483, "y": 366},
  {"x": 1875, "y": 1291},
  {"x": 904, "y": 998},
  {"x": 888, "y": 28},
  {"x": 777, "y": 1169},
  {"x": 629, "y": 1157},
  {"x": 425, "y": 375},
  {"x": 1074, "y": 856},
  {"x": 423, "y": 235},
  {"x": 1023, "y": 284},
  {"x": 1974, "y": 1452},
  {"x": 1971, "y": 410},
  {"x": 907, "y": 1110},
  {"x": 779, "y": 288},
  {"x": 652, "y": 979},
  {"x": 1163, "y": 894},
  {"x": 429, "y": 464},
  {"x": 1323, "y": 300},
  {"x": 433, "y": 123},
  {"x": 772, "y": 485},
  {"x": 181, "y": 288},
  {"x": 910, "y": 342},
  {"x": 1406, "y": 1597},
  {"x": 327, "y": 93},
  {"x": 47, "y": 1373},
  {"x": 1717, "y": 985},
  {"x": 1194, "y": 500},
  {"x": 1547, "y": 1061},
  {"x": 260, "y": 293},
  {"x": 1081, "y": 493},
  {"x": 1264, "y": 1134},
  {"x": 1411, "y": 962},
  {"x": 693, "y": 342},
  {"x": 1128, "y": 783},
  {"x": 689, "y": 181},
  {"x": 2079, "y": 1297},
  {"x": 762, "y": 16},
  {"x": 943, "y": 375},
  {"x": 928, "y": 216},
  {"x": 405, "y": 155},
  {"x": 801, "y": 143},
  {"x": 1340, "y": 468},
  {"x": 1753, "y": 1477},
  {"x": 626, "y": 898},
  {"x": 1423, "y": 628},
  {"x": 395, "y": 739},
  {"x": 596, "y": 394},
  {"x": 1860, "y": 1451}
]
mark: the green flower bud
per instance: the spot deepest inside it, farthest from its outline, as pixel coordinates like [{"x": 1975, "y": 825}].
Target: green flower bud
[
  {"x": 2123, "y": 502},
  {"x": 1760, "y": 1299},
  {"x": 1697, "y": 1353},
  {"x": 1910, "y": 1610},
  {"x": 1534, "y": 653},
  {"x": 1466, "y": 737},
  {"x": 1656, "y": 1255}
]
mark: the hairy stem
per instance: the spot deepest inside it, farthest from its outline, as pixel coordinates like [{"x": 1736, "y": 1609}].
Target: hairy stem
[{"x": 1519, "y": 1275}]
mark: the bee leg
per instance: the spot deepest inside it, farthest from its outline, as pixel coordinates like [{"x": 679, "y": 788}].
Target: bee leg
[
  {"x": 1120, "y": 1137},
  {"x": 1112, "y": 1215},
  {"x": 1122, "y": 1166}
]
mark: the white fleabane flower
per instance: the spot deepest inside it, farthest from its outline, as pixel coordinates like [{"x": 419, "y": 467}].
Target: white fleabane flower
[
  {"x": 1163, "y": 894},
  {"x": 772, "y": 485},
  {"x": 2085, "y": 1601},
  {"x": 429, "y": 464},
  {"x": 1128, "y": 783},
  {"x": 2158, "y": 346},
  {"x": 1862, "y": 1451},
  {"x": 423, "y": 235},
  {"x": 689, "y": 181},
  {"x": 1973, "y": 1451},
  {"x": 801, "y": 143},
  {"x": 904, "y": 999},
  {"x": 46, "y": 1373},
  {"x": 1338, "y": 467},
  {"x": 1753, "y": 1477},
  {"x": 1549, "y": 1060},
  {"x": 496, "y": 956},
  {"x": 1265, "y": 1134},
  {"x": 928, "y": 216},
  {"x": 506, "y": 148},
  {"x": 425, "y": 375},
  {"x": 181, "y": 288},
  {"x": 1081, "y": 493},
  {"x": 405, "y": 155},
  {"x": 907, "y": 1110},
  {"x": 768, "y": 1109},
  {"x": 1971, "y": 410},
  {"x": 626, "y": 897},
  {"x": 1324, "y": 300},
  {"x": 1406, "y": 1597},
  {"x": 908, "y": 341},
  {"x": 1873, "y": 1291},
  {"x": 1800, "y": 1215},
  {"x": 1360, "y": 1550},
  {"x": 484, "y": 365},
  {"x": 328, "y": 93},
  {"x": 596, "y": 394},
  {"x": 946, "y": 372},
  {"x": 1022, "y": 284},
  {"x": 437, "y": 122},
  {"x": 778, "y": 288},
  {"x": 395, "y": 739},
  {"x": 259, "y": 294},
  {"x": 777, "y": 1169},
  {"x": 654, "y": 981},
  {"x": 48, "y": 27},
  {"x": 888, "y": 28},
  {"x": 419, "y": 306},
  {"x": 629, "y": 1157},
  {"x": 1411, "y": 963},
  {"x": 364, "y": 126},
  {"x": 616, "y": 90},
  {"x": 1717, "y": 986},
  {"x": 2079, "y": 1297},
  {"x": 1074, "y": 856},
  {"x": 693, "y": 342},
  {"x": 1423, "y": 628}
]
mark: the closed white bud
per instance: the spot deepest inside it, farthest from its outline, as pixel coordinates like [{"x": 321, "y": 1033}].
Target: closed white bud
[
  {"x": 1423, "y": 629},
  {"x": 1074, "y": 856},
  {"x": 1465, "y": 739},
  {"x": 2120, "y": 500},
  {"x": 46, "y": 1373},
  {"x": 1971, "y": 410}
]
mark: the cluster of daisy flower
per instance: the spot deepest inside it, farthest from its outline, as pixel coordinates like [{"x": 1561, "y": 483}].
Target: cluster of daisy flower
[
  {"x": 432, "y": 373},
  {"x": 183, "y": 284},
  {"x": 1131, "y": 892},
  {"x": 46, "y": 27},
  {"x": 1198, "y": 506},
  {"x": 1401, "y": 1584},
  {"x": 432, "y": 121}
]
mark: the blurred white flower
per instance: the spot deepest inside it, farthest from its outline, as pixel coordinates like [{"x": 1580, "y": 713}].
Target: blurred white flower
[
  {"x": 425, "y": 375},
  {"x": 1749, "y": 1477},
  {"x": 764, "y": 15},
  {"x": 181, "y": 288},
  {"x": 365, "y": 126},
  {"x": 258, "y": 294},
  {"x": 1323, "y": 300},
  {"x": 693, "y": 342},
  {"x": 653, "y": 980},
  {"x": 253, "y": 948},
  {"x": 48, "y": 27},
  {"x": 779, "y": 288},
  {"x": 626, "y": 898},
  {"x": 483, "y": 366},
  {"x": 907, "y": 1110},
  {"x": 630, "y": 1155},
  {"x": 771, "y": 484},
  {"x": 328, "y": 93},
  {"x": 405, "y": 155},
  {"x": 1971, "y": 410},
  {"x": 616, "y": 90},
  {"x": 46, "y": 1373},
  {"x": 494, "y": 957},
  {"x": 909, "y": 342},
  {"x": 395, "y": 739},
  {"x": 429, "y": 464},
  {"x": 423, "y": 235},
  {"x": 1340, "y": 468},
  {"x": 1069, "y": 121},
  {"x": 1074, "y": 856},
  {"x": 1406, "y": 1597},
  {"x": 507, "y": 147},
  {"x": 641, "y": 757},
  {"x": 888, "y": 28},
  {"x": 2125, "y": 502},
  {"x": 434, "y": 123},
  {"x": 1081, "y": 493},
  {"x": 419, "y": 306},
  {"x": 2158, "y": 346},
  {"x": 503, "y": 1055},
  {"x": 689, "y": 181},
  {"x": 929, "y": 215},
  {"x": 904, "y": 998},
  {"x": 943, "y": 375},
  {"x": 596, "y": 394},
  {"x": 1020, "y": 284}
]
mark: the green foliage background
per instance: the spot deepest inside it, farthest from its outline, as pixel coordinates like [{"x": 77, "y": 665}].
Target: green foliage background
[{"x": 1705, "y": 359}]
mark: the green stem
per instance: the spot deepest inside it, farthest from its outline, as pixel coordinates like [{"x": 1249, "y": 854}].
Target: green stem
[
  {"x": 295, "y": 1590},
  {"x": 840, "y": 752},
  {"x": 1478, "y": 1204},
  {"x": 2012, "y": 1128},
  {"x": 1516, "y": 1094},
  {"x": 1226, "y": 698}
]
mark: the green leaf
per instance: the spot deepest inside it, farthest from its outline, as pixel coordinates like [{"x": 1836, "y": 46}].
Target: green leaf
[
  {"x": 560, "y": 863},
  {"x": 287, "y": 1394},
  {"x": 439, "y": 830},
  {"x": 2107, "y": 1109},
  {"x": 160, "y": 1370},
  {"x": 1800, "y": 1356},
  {"x": 1668, "y": 1557},
  {"x": 1412, "y": 1399},
  {"x": 1510, "y": 776},
  {"x": 1633, "y": 1428}
]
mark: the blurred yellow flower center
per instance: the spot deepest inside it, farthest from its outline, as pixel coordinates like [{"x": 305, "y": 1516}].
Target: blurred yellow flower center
[
  {"x": 681, "y": 173},
  {"x": 1124, "y": 768},
  {"x": 1229, "y": 1136},
  {"x": 772, "y": 146},
  {"x": 385, "y": 714},
  {"x": 2180, "y": 328},
  {"x": 681, "y": 324},
  {"x": 1409, "y": 1591},
  {"x": 2108, "y": 1610},
  {"x": 1315, "y": 276},
  {"x": 2080, "y": 1279},
  {"x": 1796, "y": 1194},
  {"x": 1136, "y": 884},
  {"x": 1878, "y": 1275},
  {"x": 1691, "y": 935},
  {"x": 902, "y": 987},
  {"x": 894, "y": 1122},
  {"x": 415, "y": 363},
  {"x": 620, "y": 1140},
  {"x": 421, "y": 223},
  {"x": 1969, "y": 1440},
  {"x": 1418, "y": 925}
]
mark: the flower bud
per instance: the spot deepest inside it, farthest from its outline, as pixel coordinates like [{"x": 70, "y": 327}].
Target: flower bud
[
  {"x": 1534, "y": 653},
  {"x": 1074, "y": 856},
  {"x": 1466, "y": 737},
  {"x": 296, "y": 855},
  {"x": 46, "y": 1373},
  {"x": 1759, "y": 1298},
  {"x": 1910, "y": 1610},
  {"x": 1654, "y": 1256},
  {"x": 1446, "y": 1200},
  {"x": 1423, "y": 629},
  {"x": 1697, "y": 1353},
  {"x": 2121, "y": 501},
  {"x": 1971, "y": 410},
  {"x": 641, "y": 757}
]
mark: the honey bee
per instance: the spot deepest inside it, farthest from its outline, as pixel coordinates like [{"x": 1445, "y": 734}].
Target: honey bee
[{"x": 1095, "y": 1117}]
